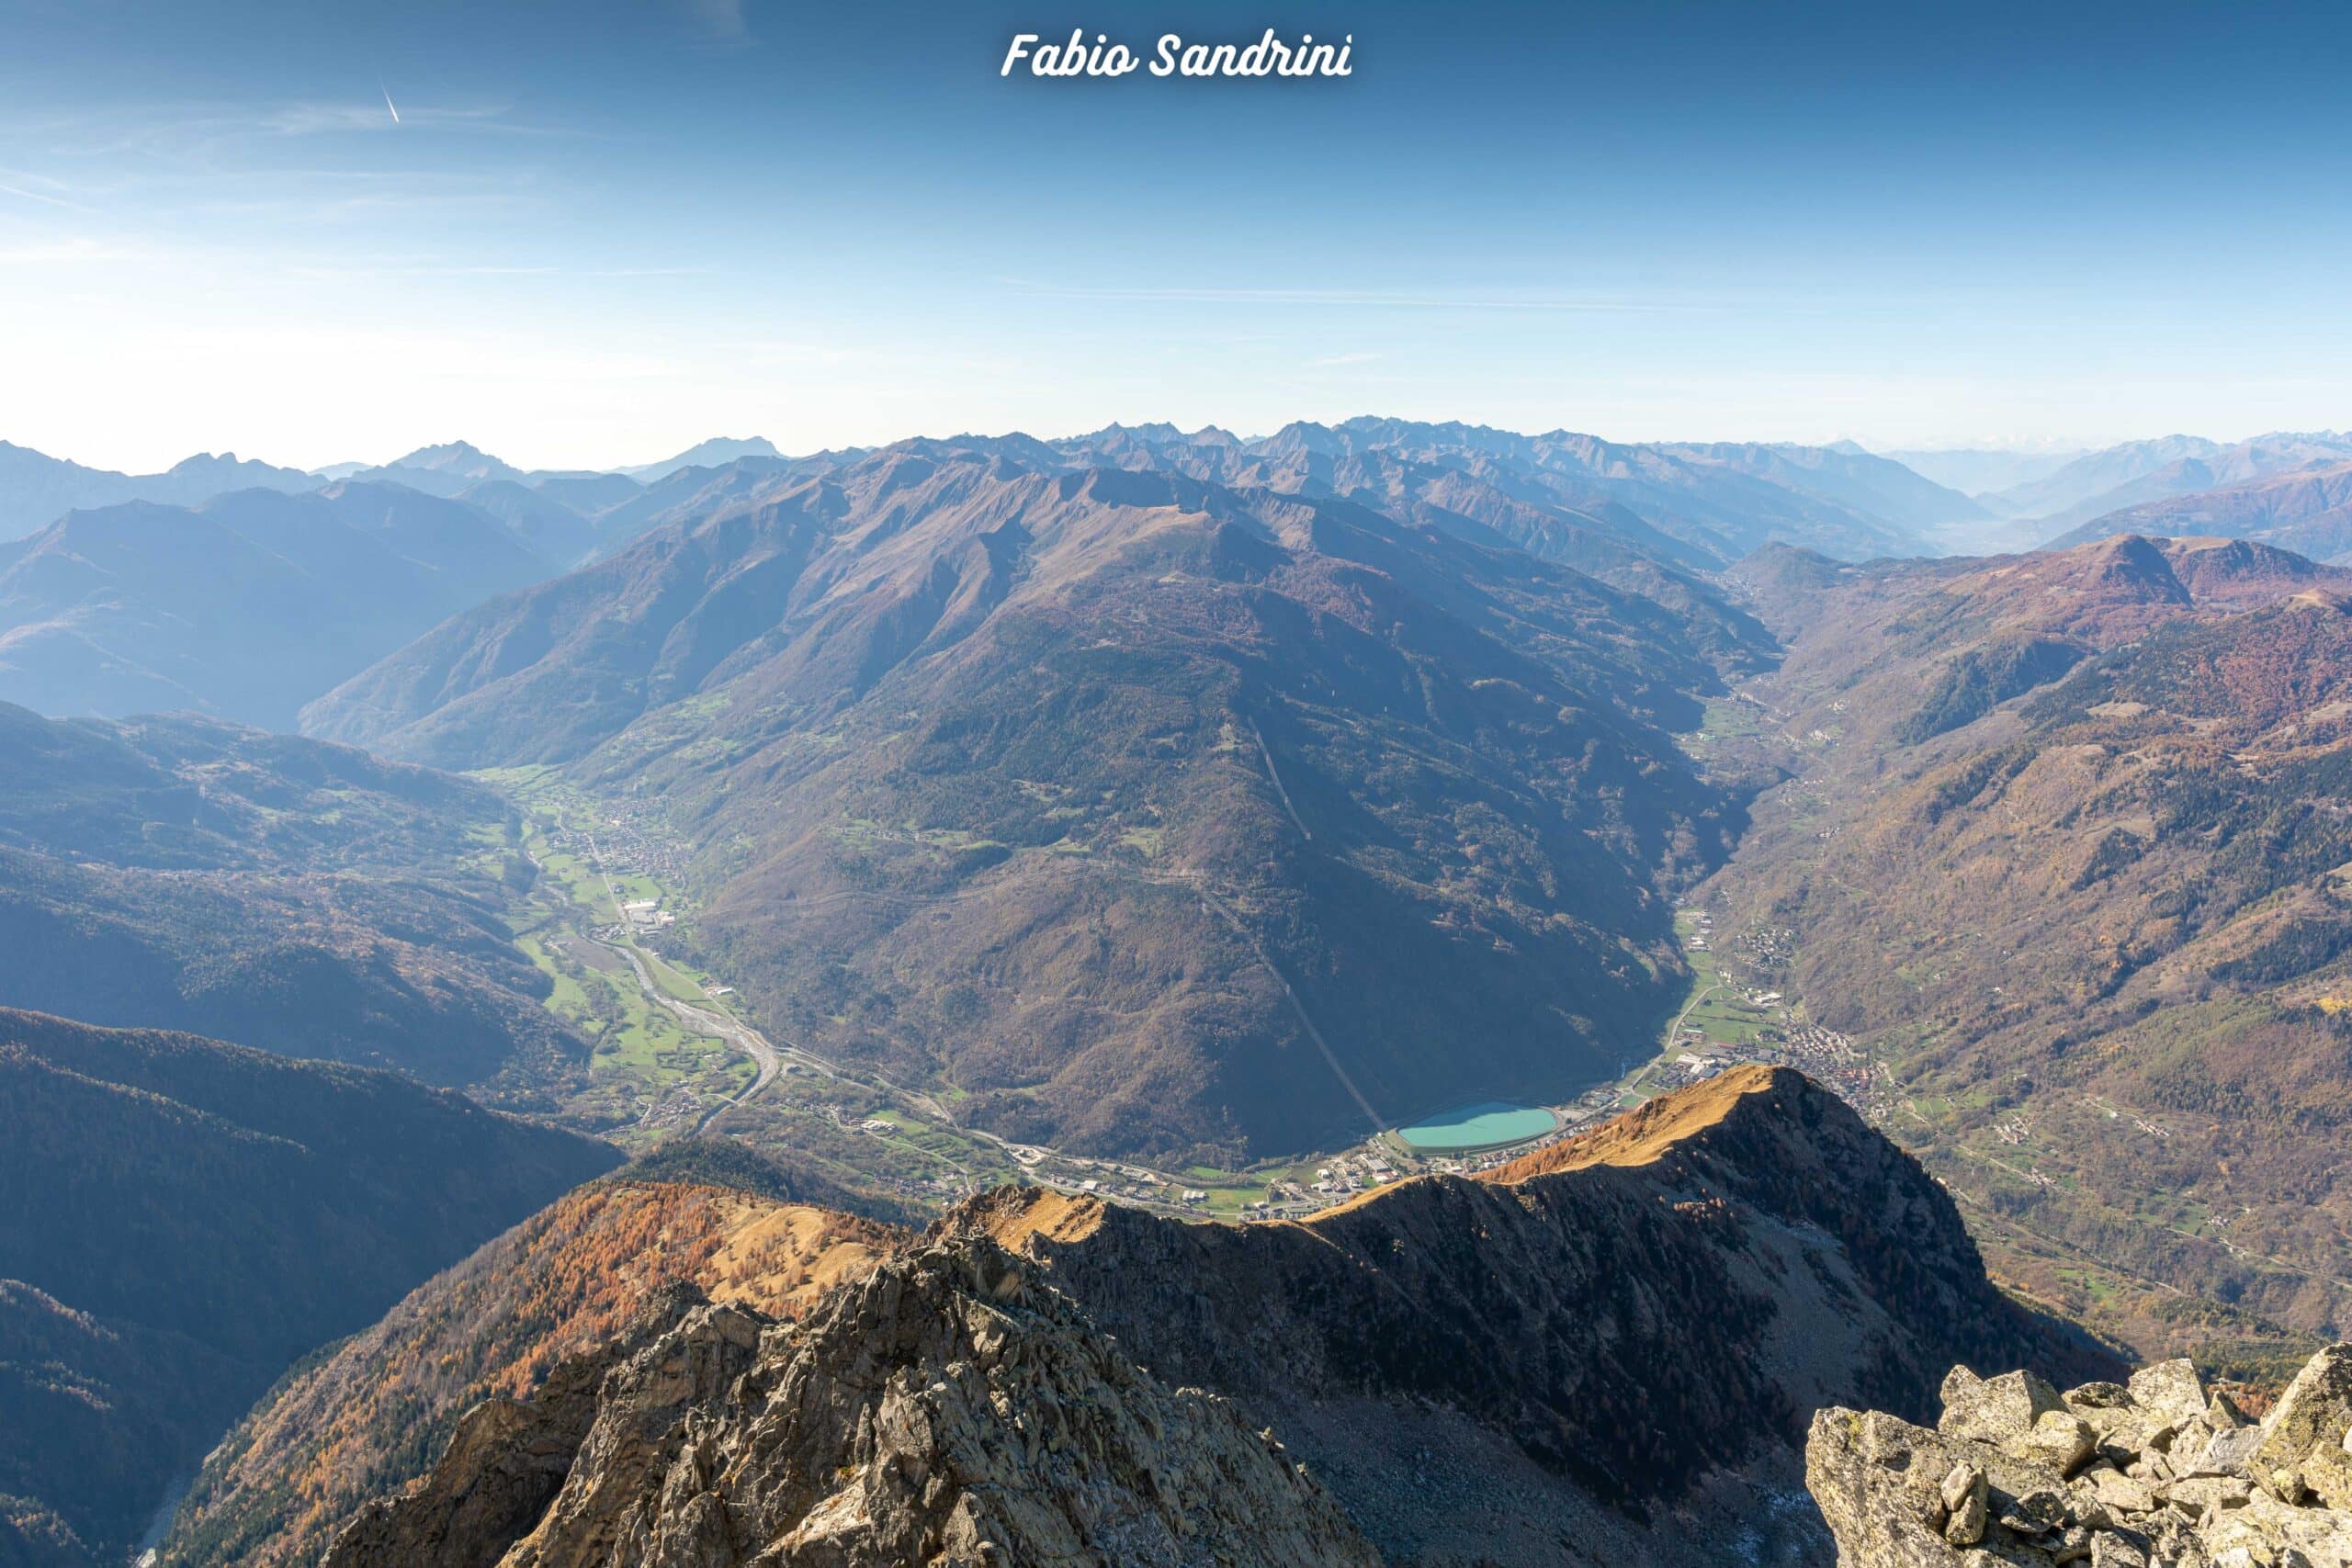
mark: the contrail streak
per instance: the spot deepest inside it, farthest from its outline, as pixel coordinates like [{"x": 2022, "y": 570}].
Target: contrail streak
[{"x": 387, "y": 99}]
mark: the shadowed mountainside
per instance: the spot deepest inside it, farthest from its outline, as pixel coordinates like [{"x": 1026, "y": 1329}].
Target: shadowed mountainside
[
  {"x": 180, "y": 1219},
  {"x": 179, "y": 872},
  {"x": 1645, "y": 1312}
]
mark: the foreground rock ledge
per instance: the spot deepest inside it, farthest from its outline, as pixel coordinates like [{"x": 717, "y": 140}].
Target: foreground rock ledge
[{"x": 2156, "y": 1474}]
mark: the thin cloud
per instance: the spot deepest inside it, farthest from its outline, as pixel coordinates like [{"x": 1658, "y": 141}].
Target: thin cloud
[
  {"x": 1350, "y": 298},
  {"x": 74, "y": 250},
  {"x": 201, "y": 134},
  {"x": 719, "y": 21},
  {"x": 328, "y": 272},
  {"x": 332, "y": 270},
  {"x": 312, "y": 119},
  {"x": 29, "y": 187}
]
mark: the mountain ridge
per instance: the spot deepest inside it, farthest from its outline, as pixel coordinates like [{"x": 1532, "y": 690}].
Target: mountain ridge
[
  {"x": 859, "y": 697},
  {"x": 1452, "y": 1359},
  {"x": 35, "y": 489}
]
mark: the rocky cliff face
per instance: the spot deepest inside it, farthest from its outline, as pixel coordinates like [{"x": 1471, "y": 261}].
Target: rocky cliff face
[
  {"x": 947, "y": 1410},
  {"x": 2157, "y": 1473}
]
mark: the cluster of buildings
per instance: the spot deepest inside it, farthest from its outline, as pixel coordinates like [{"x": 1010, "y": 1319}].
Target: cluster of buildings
[
  {"x": 1834, "y": 1061},
  {"x": 647, "y": 915},
  {"x": 1702, "y": 925},
  {"x": 1358, "y": 1170}
]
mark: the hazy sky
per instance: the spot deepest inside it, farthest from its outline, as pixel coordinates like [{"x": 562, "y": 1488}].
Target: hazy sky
[{"x": 600, "y": 231}]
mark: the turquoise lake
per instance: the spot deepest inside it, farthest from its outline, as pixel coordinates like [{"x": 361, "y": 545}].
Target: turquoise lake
[{"x": 1472, "y": 1127}]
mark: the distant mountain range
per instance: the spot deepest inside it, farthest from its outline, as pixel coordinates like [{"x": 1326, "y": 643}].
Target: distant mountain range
[
  {"x": 444, "y": 469},
  {"x": 1976, "y": 472},
  {"x": 1859, "y": 501},
  {"x": 2109, "y": 481},
  {"x": 1687, "y": 503},
  {"x": 245, "y": 606},
  {"x": 717, "y": 452},
  {"x": 2306, "y": 509},
  {"x": 1835, "y": 498},
  {"x": 36, "y": 490},
  {"x": 2042, "y": 497}
]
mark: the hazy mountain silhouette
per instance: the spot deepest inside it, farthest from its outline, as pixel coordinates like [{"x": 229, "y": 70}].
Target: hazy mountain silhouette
[
  {"x": 2138, "y": 472},
  {"x": 717, "y": 452},
  {"x": 246, "y": 606},
  {"x": 2306, "y": 509},
  {"x": 1975, "y": 471},
  {"x": 36, "y": 490}
]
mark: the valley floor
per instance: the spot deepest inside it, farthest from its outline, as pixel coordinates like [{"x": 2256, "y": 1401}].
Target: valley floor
[{"x": 674, "y": 1051}]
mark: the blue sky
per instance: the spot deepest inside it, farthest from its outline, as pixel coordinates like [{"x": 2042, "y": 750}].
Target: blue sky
[{"x": 600, "y": 232}]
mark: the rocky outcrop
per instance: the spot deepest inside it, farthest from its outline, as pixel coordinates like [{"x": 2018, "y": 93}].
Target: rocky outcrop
[
  {"x": 510, "y": 1324},
  {"x": 948, "y": 1409},
  {"x": 506, "y": 1462},
  {"x": 2155, "y": 1473}
]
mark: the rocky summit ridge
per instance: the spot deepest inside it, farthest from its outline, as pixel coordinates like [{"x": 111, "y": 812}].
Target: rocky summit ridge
[
  {"x": 1604, "y": 1353},
  {"x": 947, "y": 1410},
  {"x": 2155, "y": 1473}
]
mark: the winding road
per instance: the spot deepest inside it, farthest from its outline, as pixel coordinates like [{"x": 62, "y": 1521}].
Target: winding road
[{"x": 706, "y": 1021}]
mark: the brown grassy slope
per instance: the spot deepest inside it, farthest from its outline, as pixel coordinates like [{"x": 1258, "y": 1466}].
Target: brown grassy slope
[
  {"x": 373, "y": 1413},
  {"x": 1652, "y": 1130}
]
